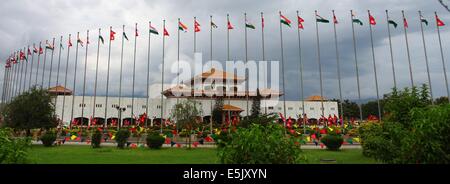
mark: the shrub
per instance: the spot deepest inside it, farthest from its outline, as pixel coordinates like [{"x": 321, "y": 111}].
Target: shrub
[
  {"x": 122, "y": 137},
  {"x": 333, "y": 141},
  {"x": 96, "y": 139},
  {"x": 260, "y": 145},
  {"x": 48, "y": 138},
  {"x": 13, "y": 150},
  {"x": 155, "y": 141}
]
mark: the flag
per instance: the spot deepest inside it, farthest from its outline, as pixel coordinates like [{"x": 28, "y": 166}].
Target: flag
[
  {"x": 423, "y": 20},
  {"x": 405, "y": 23},
  {"x": 70, "y": 43},
  {"x": 49, "y": 46},
  {"x": 79, "y": 41},
  {"x": 393, "y": 23},
  {"x": 372, "y": 20},
  {"x": 22, "y": 55},
  {"x": 356, "y": 20},
  {"x": 153, "y": 30},
  {"x": 61, "y": 45},
  {"x": 101, "y": 39},
  {"x": 196, "y": 26},
  {"x": 229, "y": 25},
  {"x": 41, "y": 51},
  {"x": 439, "y": 21},
  {"x": 29, "y": 51},
  {"x": 136, "y": 32},
  {"x": 321, "y": 19},
  {"x": 125, "y": 35},
  {"x": 249, "y": 25},
  {"x": 182, "y": 27},
  {"x": 300, "y": 22},
  {"x": 335, "y": 21},
  {"x": 262, "y": 21},
  {"x": 35, "y": 50},
  {"x": 111, "y": 35},
  {"x": 166, "y": 33},
  {"x": 213, "y": 25},
  {"x": 285, "y": 20}
]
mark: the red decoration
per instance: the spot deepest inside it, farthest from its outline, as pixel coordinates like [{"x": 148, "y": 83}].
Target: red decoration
[{"x": 167, "y": 141}]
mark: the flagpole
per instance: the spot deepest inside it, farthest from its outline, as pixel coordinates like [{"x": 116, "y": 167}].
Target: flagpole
[
  {"x": 84, "y": 79},
  {"x": 264, "y": 59},
  {"x": 134, "y": 75},
  {"x": 107, "y": 77},
  {"x": 320, "y": 69},
  {"x": 120, "y": 80},
  {"x": 4, "y": 84},
  {"x": 442, "y": 59},
  {"x": 338, "y": 68},
  {"x": 74, "y": 78},
  {"x": 16, "y": 76},
  {"x": 228, "y": 59},
  {"x": 282, "y": 69},
  {"x": 178, "y": 55},
  {"x": 407, "y": 50},
  {"x": 390, "y": 49},
  {"x": 148, "y": 76},
  {"x": 374, "y": 68},
  {"x": 210, "y": 59},
  {"x": 57, "y": 74},
  {"x": 21, "y": 72},
  {"x": 301, "y": 73},
  {"x": 37, "y": 67},
  {"x": 426, "y": 59},
  {"x": 43, "y": 67},
  {"x": 26, "y": 69},
  {"x": 195, "y": 50},
  {"x": 51, "y": 64},
  {"x": 357, "y": 70},
  {"x": 31, "y": 67},
  {"x": 162, "y": 77},
  {"x": 65, "y": 84},
  {"x": 246, "y": 61},
  {"x": 96, "y": 76}
]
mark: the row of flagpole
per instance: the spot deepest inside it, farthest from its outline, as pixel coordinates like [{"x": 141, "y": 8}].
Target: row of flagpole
[{"x": 13, "y": 81}]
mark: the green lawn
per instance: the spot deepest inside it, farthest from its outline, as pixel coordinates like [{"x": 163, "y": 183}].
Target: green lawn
[{"x": 73, "y": 154}]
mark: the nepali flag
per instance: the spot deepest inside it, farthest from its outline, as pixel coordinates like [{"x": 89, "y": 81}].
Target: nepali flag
[
  {"x": 111, "y": 35},
  {"x": 166, "y": 33},
  {"x": 439, "y": 22},
  {"x": 196, "y": 26}
]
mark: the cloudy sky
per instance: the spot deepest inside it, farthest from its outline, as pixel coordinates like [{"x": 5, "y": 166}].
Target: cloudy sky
[{"x": 26, "y": 22}]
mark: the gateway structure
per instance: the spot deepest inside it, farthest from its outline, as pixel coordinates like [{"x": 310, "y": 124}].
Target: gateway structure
[{"x": 214, "y": 84}]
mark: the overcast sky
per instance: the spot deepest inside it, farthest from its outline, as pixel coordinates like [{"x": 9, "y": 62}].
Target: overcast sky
[{"x": 26, "y": 22}]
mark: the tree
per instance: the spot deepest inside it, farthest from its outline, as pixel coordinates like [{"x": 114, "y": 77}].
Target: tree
[
  {"x": 351, "y": 109},
  {"x": 32, "y": 109},
  {"x": 185, "y": 114},
  {"x": 256, "y": 105},
  {"x": 218, "y": 111},
  {"x": 371, "y": 108},
  {"x": 441, "y": 100}
]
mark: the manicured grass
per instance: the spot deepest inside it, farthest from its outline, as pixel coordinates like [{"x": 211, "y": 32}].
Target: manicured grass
[{"x": 76, "y": 154}]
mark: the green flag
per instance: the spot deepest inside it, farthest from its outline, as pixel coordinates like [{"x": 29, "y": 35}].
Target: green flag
[
  {"x": 393, "y": 23},
  {"x": 321, "y": 19},
  {"x": 125, "y": 35},
  {"x": 423, "y": 20},
  {"x": 101, "y": 39},
  {"x": 249, "y": 25},
  {"x": 355, "y": 20}
]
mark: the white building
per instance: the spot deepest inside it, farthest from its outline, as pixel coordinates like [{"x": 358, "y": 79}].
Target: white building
[{"x": 236, "y": 103}]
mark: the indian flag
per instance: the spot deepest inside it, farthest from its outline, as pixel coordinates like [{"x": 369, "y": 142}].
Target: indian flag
[
  {"x": 321, "y": 19},
  {"x": 249, "y": 25},
  {"x": 182, "y": 27},
  {"x": 356, "y": 20},
  {"x": 153, "y": 30},
  {"x": 422, "y": 19},
  {"x": 285, "y": 20}
]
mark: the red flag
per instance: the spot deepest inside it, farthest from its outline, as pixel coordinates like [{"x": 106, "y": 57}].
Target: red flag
[
  {"x": 300, "y": 22},
  {"x": 405, "y": 23},
  {"x": 70, "y": 43},
  {"x": 111, "y": 35},
  {"x": 29, "y": 51},
  {"x": 439, "y": 22},
  {"x": 40, "y": 50},
  {"x": 230, "y": 26},
  {"x": 335, "y": 19},
  {"x": 262, "y": 21},
  {"x": 22, "y": 55},
  {"x": 372, "y": 20},
  {"x": 282, "y": 117},
  {"x": 137, "y": 34},
  {"x": 196, "y": 26},
  {"x": 166, "y": 33},
  {"x": 35, "y": 50}
]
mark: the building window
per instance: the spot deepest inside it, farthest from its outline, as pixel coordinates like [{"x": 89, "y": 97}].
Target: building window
[
  {"x": 279, "y": 108},
  {"x": 311, "y": 108},
  {"x": 332, "y": 108},
  {"x": 128, "y": 106},
  {"x": 270, "y": 108},
  {"x": 82, "y": 105},
  {"x": 98, "y": 105},
  {"x": 290, "y": 108},
  {"x": 114, "y": 105},
  {"x": 158, "y": 106},
  {"x": 144, "y": 106}
]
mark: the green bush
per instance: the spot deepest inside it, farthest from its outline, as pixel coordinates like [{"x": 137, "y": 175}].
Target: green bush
[
  {"x": 96, "y": 139},
  {"x": 155, "y": 141},
  {"x": 13, "y": 150},
  {"x": 333, "y": 141},
  {"x": 122, "y": 137},
  {"x": 48, "y": 138},
  {"x": 260, "y": 145}
]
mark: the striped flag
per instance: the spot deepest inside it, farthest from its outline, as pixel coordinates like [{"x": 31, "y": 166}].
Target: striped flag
[
  {"x": 285, "y": 20},
  {"x": 153, "y": 30},
  {"x": 182, "y": 27}
]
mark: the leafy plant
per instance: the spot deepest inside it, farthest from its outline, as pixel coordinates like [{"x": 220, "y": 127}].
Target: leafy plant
[
  {"x": 48, "y": 138},
  {"x": 186, "y": 114},
  {"x": 96, "y": 139},
  {"x": 122, "y": 137},
  {"x": 333, "y": 141},
  {"x": 13, "y": 150},
  {"x": 155, "y": 141},
  {"x": 260, "y": 145}
]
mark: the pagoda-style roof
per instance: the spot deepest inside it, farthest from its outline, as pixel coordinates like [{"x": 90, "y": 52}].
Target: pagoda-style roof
[
  {"x": 315, "y": 98},
  {"x": 215, "y": 74},
  {"x": 231, "y": 108},
  {"x": 59, "y": 90}
]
